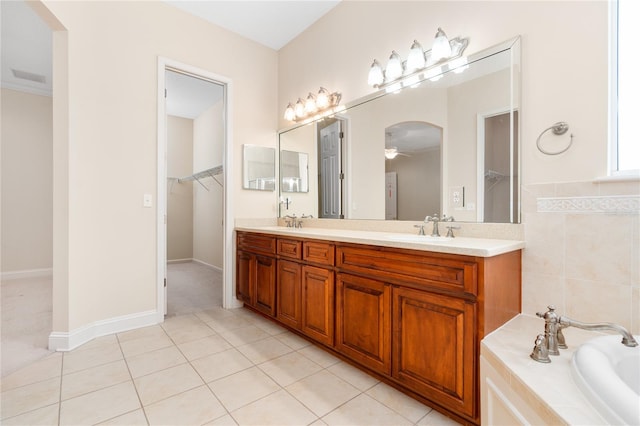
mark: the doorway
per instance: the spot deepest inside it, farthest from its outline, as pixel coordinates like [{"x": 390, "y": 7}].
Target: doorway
[
  {"x": 497, "y": 167},
  {"x": 194, "y": 235}
]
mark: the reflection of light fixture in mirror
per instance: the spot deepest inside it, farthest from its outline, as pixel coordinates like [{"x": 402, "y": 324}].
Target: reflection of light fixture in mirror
[
  {"x": 418, "y": 61},
  {"x": 323, "y": 104},
  {"x": 390, "y": 153},
  {"x": 441, "y": 48}
]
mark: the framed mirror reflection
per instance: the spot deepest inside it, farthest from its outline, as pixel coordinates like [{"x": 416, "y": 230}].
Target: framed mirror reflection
[{"x": 446, "y": 146}]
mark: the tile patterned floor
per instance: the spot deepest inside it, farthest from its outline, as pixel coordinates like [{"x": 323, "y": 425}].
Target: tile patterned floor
[{"x": 213, "y": 367}]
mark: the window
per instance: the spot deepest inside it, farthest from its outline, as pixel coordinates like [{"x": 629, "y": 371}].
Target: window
[{"x": 625, "y": 93}]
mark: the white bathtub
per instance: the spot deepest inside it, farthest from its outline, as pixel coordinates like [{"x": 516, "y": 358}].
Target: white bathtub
[{"x": 608, "y": 373}]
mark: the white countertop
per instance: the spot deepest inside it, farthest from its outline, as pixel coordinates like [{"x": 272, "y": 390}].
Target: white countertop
[
  {"x": 482, "y": 247},
  {"x": 547, "y": 387}
]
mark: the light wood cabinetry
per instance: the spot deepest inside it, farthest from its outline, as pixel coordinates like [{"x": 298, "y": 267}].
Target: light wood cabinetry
[{"x": 412, "y": 318}]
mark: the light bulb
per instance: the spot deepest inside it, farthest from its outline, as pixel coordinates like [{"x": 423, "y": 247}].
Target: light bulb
[
  {"x": 310, "y": 104},
  {"x": 441, "y": 48},
  {"x": 415, "y": 60},
  {"x": 299, "y": 108},
  {"x": 289, "y": 113},
  {"x": 322, "y": 101},
  {"x": 394, "y": 66},
  {"x": 376, "y": 76}
]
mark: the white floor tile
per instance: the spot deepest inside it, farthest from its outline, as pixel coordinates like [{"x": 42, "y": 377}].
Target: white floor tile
[
  {"x": 194, "y": 407},
  {"x": 243, "y": 387},
  {"x": 279, "y": 409},
  {"x": 99, "y": 406},
  {"x": 322, "y": 392}
]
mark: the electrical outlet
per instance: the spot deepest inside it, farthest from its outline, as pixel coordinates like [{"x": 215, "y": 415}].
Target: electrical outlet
[{"x": 456, "y": 196}]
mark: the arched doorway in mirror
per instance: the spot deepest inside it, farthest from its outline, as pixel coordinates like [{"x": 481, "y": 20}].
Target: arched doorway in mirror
[{"x": 413, "y": 172}]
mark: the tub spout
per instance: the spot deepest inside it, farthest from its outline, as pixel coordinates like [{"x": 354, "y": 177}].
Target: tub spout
[{"x": 627, "y": 338}]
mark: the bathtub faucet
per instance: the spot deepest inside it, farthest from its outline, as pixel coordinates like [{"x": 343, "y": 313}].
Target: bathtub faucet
[
  {"x": 548, "y": 343},
  {"x": 627, "y": 338}
]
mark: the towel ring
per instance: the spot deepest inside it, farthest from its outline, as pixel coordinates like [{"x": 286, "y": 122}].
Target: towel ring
[{"x": 560, "y": 128}]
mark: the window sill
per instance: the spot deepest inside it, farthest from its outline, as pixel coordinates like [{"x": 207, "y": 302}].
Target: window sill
[{"x": 629, "y": 177}]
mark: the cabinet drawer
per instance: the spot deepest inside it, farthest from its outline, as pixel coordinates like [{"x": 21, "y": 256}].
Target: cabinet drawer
[
  {"x": 290, "y": 248},
  {"x": 256, "y": 243},
  {"x": 316, "y": 252},
  {"x": 407, "y": 267}
]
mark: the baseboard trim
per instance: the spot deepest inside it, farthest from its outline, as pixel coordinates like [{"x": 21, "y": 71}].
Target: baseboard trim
[
  {"x": 66, "y": 341},
  {"x": 180, "y": 260},
  {"x": 27, "y": 273},
  {"x": 208, "y": 265}
]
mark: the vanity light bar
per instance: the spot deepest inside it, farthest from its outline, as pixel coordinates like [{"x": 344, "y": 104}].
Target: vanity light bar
[
  {"x": 314, "y": 106},
  {"x": 420, "y": 65}
]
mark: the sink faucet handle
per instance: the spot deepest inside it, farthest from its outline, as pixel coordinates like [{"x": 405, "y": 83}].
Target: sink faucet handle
[
  {"x": 420, "y": 229},
  {"x": 540, "y": 352},
  {"x": 450, "y": 231}
]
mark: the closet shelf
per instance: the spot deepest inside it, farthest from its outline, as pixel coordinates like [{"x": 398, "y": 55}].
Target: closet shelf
[{"x": 212, "y": 173}]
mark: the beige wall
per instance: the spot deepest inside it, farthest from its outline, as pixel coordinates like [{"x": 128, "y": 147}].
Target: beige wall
[
  {"x": 27, "y": 172},
  {"x": 585, "y": 263},
  {"x": 179, "y": 195},
  {"x": 208, "y": 145},
  {"x": 106, "y": 147}
]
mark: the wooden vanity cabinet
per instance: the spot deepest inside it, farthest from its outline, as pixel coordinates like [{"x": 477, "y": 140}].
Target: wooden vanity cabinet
[
  {"x": 256, "y": 272},
  {"x": 412, "y": 318},
  {"x": 306, "y": 288},
  {"x": 363, "y": 321}
]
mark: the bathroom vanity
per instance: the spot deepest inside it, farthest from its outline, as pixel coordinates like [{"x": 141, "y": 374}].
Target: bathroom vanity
[{"x": 411, "y": 313}]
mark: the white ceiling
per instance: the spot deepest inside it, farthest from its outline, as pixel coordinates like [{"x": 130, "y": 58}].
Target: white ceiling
[
  {"x": 271, "y": 23},
  {"x": 26, "y": 41}
]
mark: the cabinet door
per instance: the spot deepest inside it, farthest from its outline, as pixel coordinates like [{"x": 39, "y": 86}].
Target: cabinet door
[
  {"x": 243, "y": 276},
  {"x": 363, "y": 321},
  {"x": 265, "y": 285},
  {"x": 433, "y": 347},
  {"x": 318, "y": 304},
  {"x": 288, "y": 307}
]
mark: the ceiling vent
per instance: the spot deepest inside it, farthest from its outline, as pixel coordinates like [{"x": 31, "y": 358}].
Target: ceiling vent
[{"x": 24, "y": 75}]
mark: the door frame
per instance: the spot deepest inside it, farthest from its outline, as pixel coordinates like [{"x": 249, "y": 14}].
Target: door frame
[
  {"x": 480, "y": 146},
  {"x": 228, "y": 299}
]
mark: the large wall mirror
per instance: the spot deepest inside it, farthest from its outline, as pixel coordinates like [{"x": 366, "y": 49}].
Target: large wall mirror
[{"x": 447, "y": 146}]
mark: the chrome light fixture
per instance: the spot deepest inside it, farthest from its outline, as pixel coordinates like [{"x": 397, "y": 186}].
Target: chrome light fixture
[
  {"x": 324, "y": 103},
  {"x": 441, "y": 48},
  {"x": 398, "y": 74}
]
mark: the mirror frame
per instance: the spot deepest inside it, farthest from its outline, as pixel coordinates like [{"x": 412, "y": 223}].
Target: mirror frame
[{"x": 514, "y": 46}]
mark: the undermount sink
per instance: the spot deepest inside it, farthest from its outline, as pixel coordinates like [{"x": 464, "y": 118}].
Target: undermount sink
[
  {"x": 410, "y": 238},
  {"x": 608, "y": 373}
]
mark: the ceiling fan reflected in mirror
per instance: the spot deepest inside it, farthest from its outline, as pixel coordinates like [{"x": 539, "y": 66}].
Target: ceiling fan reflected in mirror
[{"x": 391, "y": 153}]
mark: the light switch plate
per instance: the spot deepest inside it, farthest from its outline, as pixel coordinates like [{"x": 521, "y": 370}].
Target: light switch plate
[{"x": 456, "y": 196}]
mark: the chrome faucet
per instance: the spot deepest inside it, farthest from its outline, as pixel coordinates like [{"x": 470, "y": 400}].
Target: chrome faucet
[
  {"x": 435, "y": 219},
  {"x": 553, "y": 339}
]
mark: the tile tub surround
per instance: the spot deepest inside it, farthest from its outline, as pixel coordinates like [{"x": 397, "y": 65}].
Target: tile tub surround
[
  {"x": 583, "y": 251},
  {"x": 549, "y": 388}
]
